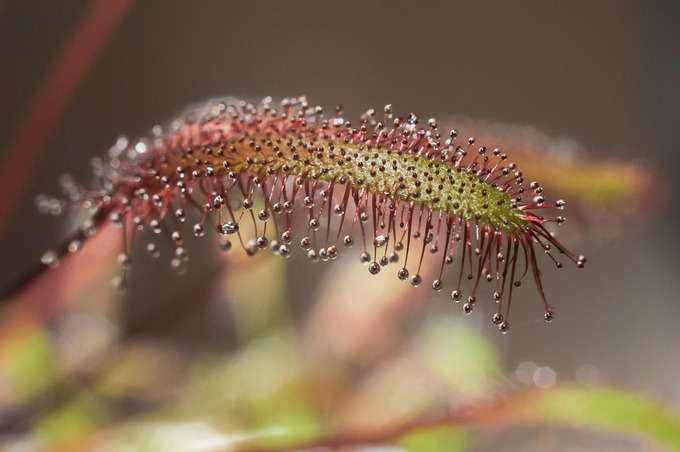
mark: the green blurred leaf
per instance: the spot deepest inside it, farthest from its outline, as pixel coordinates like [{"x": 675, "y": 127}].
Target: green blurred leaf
[
  {"x": 30, "y": 363},
  {"x": 67, "y": 423},
  {"x": 438, "y": 439},
  {"x": 465, "y": 360},
  {"x": 600, "y": 407}
]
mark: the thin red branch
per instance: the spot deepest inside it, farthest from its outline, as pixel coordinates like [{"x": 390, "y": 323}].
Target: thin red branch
[{"x": 47, "y": 108}]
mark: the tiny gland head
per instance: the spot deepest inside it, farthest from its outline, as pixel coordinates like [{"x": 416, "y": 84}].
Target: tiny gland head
[{"x": 392, "y": 185}]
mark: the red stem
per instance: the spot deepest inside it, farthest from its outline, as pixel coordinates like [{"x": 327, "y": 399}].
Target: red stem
[{"x": 47, "y": 108}]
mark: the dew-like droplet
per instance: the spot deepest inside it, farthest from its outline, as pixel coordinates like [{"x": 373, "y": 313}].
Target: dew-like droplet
[
  {"x": 263, "y": 215},
  {"x": 497, "y": 318},
  {"x": 348, "y": 241},
  {"x": 323, "y": 254},
  {"x": 383, "y": 261},
  {"x": 116, "y": 220},
  {"x": 380, "y": 241},
  {"x": 251, "y": 247},
  {"x": 549, "y": 316},
  {"x": 262, "y": 242},
  {"x": 288, "y": 206},
  {"x": 437, "y": 285},
  {"x": 314, "y": 224},
  {"x": 402, "y": 274},
  {"x": 503, "y": 327},
  {"x": 308, "y": 201},
  {"x": 139, "y": 223},
  {"x": 332, "y": 251},
  {"x": 225, "y": 245},
  {"x": 228, "y": 228},
  {"x": 75, "y": 246},
  {"x": 560, "y": 204},
  {"x": 455, "y": 295},
  {"x": 467, "y": 308},
  {"x": 374, "y": 268},
  {"x": 153, "y": 250},
  {"x": 581, "y": 262},
  {"x": 218, "y": 202},
  {"x": 365, "y": 258},
  {"x": 181, "y": 253},
  {"x": 124, "y": 260},
  {"x": 284, "y": 250},
  {"x": 50, "y": 258},
  {"x": 178, "y": 266},
  {"x": 177, "y": 237},
  {"x": 394, "y": 258},
  {"x": 88, "y": 228},
  {"x": 306, "y": 243},
  {"x": 181, "y": 215},
  {"x": 119, "y": 283},
  {"x": 155, "y": 226},
  {"x": 311, "y": 254},
  {"x": 199, "y": 230},
  {"x": 157, "y": 200},
  {"x": 416, "y": 280}
]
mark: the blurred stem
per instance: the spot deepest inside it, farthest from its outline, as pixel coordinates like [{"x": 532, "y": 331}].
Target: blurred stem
[{"x": 49, "y": 104}]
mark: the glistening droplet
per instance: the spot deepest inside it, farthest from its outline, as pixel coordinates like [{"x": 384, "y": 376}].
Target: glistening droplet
[
  {"x": 228, "y": 228},
  {"x": 50, "y": 258}
]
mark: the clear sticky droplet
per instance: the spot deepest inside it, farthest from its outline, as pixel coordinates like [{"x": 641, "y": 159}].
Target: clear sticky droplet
[
  {"x": 380, "y": 241},
  {"x": 365, "y": 258},
  {"x": 75, "y": 246},
  {"x": 153, "y": 250},
  {"x": 50, "y": 258},
  {"x": 199, "y": 231},
  {"x": 228, "y": 228}
]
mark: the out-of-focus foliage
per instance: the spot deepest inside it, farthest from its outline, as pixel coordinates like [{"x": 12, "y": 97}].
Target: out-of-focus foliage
[
  {"x": 354, "y": 370},
  {"x": 602, "y": 196}
]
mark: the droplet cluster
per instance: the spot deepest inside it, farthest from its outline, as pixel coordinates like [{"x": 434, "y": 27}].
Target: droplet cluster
[{"x": 298, "y": 178}]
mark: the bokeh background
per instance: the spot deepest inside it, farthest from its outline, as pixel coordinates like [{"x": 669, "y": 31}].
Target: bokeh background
[{"x": 602, "y": 76}]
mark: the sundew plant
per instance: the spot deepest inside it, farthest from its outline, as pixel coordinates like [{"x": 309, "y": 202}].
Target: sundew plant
[{"x": 265, "y": 273}]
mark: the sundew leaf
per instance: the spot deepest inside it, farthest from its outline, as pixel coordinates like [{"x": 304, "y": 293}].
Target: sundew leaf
[
  {"x": 599, "y": 407},
  {"x": 600, "y": 193}
]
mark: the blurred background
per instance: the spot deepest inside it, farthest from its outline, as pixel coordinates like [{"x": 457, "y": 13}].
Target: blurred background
[{"x": 217, "y": 354}]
